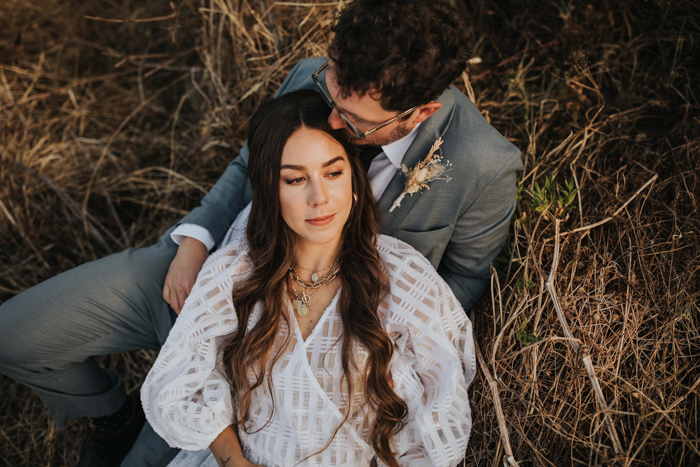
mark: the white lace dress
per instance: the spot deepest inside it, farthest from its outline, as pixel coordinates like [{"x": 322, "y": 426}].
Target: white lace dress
[{"x": 187, "y": 399}]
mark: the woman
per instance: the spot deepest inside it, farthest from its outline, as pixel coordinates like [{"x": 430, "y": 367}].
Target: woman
[{"x": 314, "y": 338}]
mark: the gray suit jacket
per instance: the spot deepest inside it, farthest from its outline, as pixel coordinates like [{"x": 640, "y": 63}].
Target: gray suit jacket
[{"x": 459, "y": 226}]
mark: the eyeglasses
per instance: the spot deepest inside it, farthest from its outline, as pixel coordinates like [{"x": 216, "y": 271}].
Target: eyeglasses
[{"x": 321, "y": 85}]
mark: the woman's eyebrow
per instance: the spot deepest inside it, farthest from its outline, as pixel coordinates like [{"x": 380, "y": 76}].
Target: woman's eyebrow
[
  {"x": 333, "y": 161},
  {"x": 293, "y": 167},
  {"x": 301, "y": 167}
]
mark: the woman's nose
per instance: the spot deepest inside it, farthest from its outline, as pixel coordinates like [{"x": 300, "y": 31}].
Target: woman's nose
[
  {"x": 336, "y": 121},
  {"x": 318, "y": 194}
]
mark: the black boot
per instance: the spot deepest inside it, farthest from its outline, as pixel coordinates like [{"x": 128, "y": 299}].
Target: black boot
[{"x": 114, "y": 435}]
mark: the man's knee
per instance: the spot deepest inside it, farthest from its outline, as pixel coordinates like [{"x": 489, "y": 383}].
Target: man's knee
[{"x": 82, "y": 305}]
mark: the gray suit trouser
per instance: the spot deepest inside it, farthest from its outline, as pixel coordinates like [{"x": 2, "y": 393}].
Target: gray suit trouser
[{"x": 50, "y": 332}]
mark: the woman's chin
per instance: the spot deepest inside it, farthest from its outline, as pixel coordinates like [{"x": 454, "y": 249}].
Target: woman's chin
[{"x": 327, "y": 235}]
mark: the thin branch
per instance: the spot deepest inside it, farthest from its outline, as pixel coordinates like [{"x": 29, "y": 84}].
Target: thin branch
[
  {"x": 582, "y": 349},
  {"x": 493, "y": 385},
  {"x": 608, "y": 219},
  {"x": 142, "y": 20}
]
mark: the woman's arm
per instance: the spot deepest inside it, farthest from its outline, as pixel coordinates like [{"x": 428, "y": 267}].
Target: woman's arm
[
  {"x": 186, "y": 398},
  {"x": 434, "y": 364},
  {"x": 227, "y": 450}
]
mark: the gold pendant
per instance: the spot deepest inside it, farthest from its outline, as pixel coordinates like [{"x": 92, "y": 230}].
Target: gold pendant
[
  {"x": 314, "y": 277},
  {"x": 296, "y": 304},
  {"x": 303, "y": 310}
]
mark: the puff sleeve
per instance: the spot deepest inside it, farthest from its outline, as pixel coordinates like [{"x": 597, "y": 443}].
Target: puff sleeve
[
  {"x": 434, "y": 360},
  {"x": 186, "y": 397}
]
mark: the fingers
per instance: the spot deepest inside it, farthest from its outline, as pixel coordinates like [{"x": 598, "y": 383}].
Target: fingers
[
  {"x": 184, "y": 287},
  {"x": 176, "y": 295},
  {"x": 183, "y": 272},
  {"x": 175, "y": 302},
  {"x": 167, "y": 292},
  {"x": 171, "y": 296},
  {"x": 181, "y": 297}
]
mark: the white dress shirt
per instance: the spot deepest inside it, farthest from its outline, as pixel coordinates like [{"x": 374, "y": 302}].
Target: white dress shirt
[{"x": 380, "y": 173}]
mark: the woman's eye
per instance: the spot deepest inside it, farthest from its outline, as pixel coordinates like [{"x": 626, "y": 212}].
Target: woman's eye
[
  {"x": 335, "y": 174},
  {"x": 295, "y": 181}
]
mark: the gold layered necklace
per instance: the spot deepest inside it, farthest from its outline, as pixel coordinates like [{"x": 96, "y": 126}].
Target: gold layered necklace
[
  {"x": 315, "y": 277},
  {"x": 300, "y": 302}
]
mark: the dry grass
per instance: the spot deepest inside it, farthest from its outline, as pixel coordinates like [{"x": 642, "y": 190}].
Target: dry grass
[{"x": 111, "y": 130}]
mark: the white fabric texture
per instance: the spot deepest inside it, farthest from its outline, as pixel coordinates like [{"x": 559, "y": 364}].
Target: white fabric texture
[{"x": 187, "y": 399}]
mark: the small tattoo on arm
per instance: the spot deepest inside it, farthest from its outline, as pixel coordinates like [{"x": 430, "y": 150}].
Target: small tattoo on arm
[{"x": 224, "y": 462}]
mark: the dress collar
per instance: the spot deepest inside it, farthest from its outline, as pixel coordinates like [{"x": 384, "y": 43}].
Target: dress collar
[{"x": 396, "y": 150}]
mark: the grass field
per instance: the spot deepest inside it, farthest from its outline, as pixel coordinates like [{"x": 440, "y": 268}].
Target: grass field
[{"x": 116, "y": 118}]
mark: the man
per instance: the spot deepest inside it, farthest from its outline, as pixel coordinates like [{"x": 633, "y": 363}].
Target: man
[{"x": 388, "y": 81}]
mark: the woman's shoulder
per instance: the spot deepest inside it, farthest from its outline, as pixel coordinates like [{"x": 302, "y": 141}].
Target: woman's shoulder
[
  {"x": 228, "y": 261},
  {"x": 235, "y": 250},
  {"x": 401, "y": 259},
  {"x": 227, "y": 266},
  {"x": 236, "y": 232},
  {"x": 419, "y": 300},
  {"x": 414, "y": 283}
]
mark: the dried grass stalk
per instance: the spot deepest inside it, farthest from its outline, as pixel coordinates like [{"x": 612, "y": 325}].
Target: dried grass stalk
[
  {"x": 580, "y": 350},
  {"x": 101, "y": 149}
]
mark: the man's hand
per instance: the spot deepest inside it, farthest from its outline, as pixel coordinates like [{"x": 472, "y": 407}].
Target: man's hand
[{"x": 183, "y": 272}]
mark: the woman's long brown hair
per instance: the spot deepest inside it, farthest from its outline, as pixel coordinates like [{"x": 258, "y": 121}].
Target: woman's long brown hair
[{"x": 271, "y": 248}]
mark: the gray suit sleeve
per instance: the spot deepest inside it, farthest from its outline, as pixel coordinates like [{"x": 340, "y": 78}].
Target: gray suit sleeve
[
  {"x": 226, "y": 199},
  {"x": 479, "y": 234}
]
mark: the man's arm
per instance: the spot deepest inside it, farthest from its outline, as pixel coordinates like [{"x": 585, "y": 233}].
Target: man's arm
[{"x": 479, "y": 234}]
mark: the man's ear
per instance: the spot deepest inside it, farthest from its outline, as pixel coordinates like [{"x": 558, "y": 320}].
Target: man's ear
[{"x": 426, "y": 110}]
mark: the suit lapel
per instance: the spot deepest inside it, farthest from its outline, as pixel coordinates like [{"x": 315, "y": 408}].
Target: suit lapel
[{"x": 434, "y": 127}]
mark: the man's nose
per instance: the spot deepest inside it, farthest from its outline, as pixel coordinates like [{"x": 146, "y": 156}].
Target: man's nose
[{"x": 336, "y": 121}]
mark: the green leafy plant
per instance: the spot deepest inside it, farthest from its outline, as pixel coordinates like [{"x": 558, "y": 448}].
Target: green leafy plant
[
  {"x": 558, "y": 198},
  {"x": 524, "y": 337},
  {"x": 519, "y": 193},
  {"x": 524, "y": 283}
]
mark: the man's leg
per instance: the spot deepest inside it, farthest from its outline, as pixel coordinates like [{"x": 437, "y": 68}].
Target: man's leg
[{"x": 49, "y": 333}]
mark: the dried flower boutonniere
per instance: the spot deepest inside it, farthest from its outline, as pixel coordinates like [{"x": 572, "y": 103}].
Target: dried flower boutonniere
[{"x": 429, "y": 169}]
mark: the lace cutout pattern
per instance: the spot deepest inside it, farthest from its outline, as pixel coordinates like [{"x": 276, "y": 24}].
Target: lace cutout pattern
[{"x": 187, "y": 399}]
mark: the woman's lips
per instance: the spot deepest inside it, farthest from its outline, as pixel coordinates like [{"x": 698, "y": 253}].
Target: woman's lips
[{"x": 319, "y": 221}]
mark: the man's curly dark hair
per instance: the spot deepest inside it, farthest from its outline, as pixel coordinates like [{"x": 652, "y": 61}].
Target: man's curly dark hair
[{"x": 408, "y": 50}]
